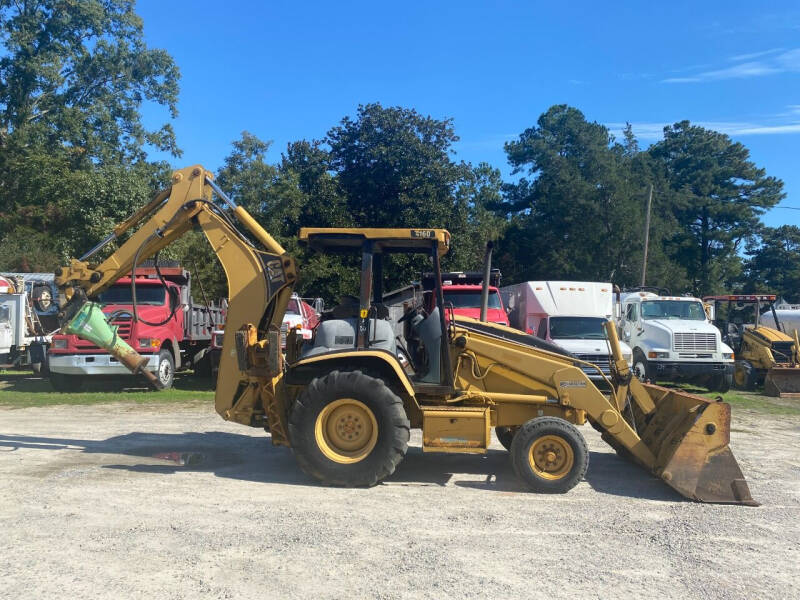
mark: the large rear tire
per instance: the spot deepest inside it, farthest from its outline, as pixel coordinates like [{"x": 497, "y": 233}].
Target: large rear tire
[
  {"x": 349, "y": 429},
  {"x": 550, "y": 455}
]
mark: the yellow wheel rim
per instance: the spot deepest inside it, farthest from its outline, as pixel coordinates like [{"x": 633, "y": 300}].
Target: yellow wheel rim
[
  {"x": 551, "y": 457},
  {"x": 346, "y": 431}
]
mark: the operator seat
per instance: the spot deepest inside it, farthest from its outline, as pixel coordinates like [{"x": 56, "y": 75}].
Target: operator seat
[{"x": 429, "y": 330}]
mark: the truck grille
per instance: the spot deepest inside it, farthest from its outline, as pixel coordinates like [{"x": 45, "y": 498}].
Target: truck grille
[
  {"x": 123, "y": 330},
  {"x": 693, "y": 342},
  {"x": 284, "y": 331},
  {"x": 601, "y": 360}
]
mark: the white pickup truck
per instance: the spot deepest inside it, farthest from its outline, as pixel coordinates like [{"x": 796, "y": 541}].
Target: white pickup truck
[
  {"x": 568, "y": 313},
  {"x": 673, "y": 340}
]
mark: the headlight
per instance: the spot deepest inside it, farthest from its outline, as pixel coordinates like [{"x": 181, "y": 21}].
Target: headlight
[
  {"x": 60, "y": 343},
  {"x": 658, "y": 355},
  {"x": 149, "y": 342},
  {"x": 727, "y": 356},
  {"x": 628, "y": 358}
]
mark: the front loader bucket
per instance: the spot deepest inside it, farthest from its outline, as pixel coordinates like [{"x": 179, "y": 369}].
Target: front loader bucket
[
  {"x": 688, "y": 436},
  {"x": 783, "y": 382}
]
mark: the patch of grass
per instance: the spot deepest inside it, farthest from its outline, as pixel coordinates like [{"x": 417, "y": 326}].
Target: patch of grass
[
  {"x": 20, "y": 389},
  {"x": 758, "y": 403},
  {"x": 740, "y": 399}
]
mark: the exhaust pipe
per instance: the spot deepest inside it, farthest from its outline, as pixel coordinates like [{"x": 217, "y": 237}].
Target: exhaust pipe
[{"x": 487, "y": 271}]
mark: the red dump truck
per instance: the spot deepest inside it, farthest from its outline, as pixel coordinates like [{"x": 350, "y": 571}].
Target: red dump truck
[{"x": 171, "y": 329}]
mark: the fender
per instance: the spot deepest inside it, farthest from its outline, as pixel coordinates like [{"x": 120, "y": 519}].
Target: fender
[{"x": 380, "y": 361}]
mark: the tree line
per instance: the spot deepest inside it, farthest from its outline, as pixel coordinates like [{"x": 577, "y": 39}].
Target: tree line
[{"x": 73, "y": 162}]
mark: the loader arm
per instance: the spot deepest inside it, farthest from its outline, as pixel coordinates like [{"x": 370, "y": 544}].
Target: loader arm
[{"x": 260, "y": 284}]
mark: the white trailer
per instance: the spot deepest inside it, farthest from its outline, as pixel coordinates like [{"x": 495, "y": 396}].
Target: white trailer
[
  {"x": 673, "y": 340},
  {"x": 568, "y": 313}
]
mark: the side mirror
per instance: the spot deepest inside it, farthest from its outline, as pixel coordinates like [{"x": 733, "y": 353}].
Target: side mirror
[{"x": 319, "y": 305}]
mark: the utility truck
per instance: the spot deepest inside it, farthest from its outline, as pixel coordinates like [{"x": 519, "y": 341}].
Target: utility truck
[
  {"x": 570, "y": 314},
  {"x": 164, "y": 324},
  {"x": 673, "y": 340},
  {"x": 27, "y": 319},
  {"x": 345, "y": 403}
]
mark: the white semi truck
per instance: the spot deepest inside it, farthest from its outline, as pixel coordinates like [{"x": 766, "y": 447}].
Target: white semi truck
[
  {"x": 568, "y": 313},
  {"x": 673, "y": 340}
]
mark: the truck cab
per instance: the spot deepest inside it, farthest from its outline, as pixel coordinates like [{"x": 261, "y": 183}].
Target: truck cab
[
  {"x": 673, "y": 340},
  {"x": 569, "y": 314},
  {"x": 462, "y": 291},
  {"x": 171, "y": 330}
]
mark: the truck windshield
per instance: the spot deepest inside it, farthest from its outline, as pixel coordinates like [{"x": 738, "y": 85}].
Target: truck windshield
[
  {"x": 577, "y": 328},
  {"x": 470, "y": 299},
  {"x": 145, "y": 294},
  {"x": 673, "y": 309},
  {"x": 292, "y": 307}
]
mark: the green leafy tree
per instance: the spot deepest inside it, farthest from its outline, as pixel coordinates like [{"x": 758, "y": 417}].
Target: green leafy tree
[
  {"x": 73, "y": 78},
  {"x": 774, "y": 262},
  {"x": 717, "y": 195},
  {"x": 578, "y": 210}
]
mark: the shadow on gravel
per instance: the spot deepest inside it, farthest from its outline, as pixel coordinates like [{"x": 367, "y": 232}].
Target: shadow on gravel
[
  {"x": 254, "y": 459},
  {"x": 610, "y": 474},
  {"x": 30, "y": 383}
]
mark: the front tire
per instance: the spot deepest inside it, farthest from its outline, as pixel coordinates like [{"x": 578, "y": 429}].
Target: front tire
[
  {"x": 721, "y": 383},
  {"x": 349, "y": 429},
  {"x": 641, "y": 367},
  {"x": 165, "y": 371},
  {"x": 550, "y": 455}
]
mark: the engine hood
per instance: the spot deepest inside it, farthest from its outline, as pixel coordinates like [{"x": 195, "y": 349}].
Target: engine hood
[
  {"x": 680, "y": 326},
  {"x": 589, "y": 346}
]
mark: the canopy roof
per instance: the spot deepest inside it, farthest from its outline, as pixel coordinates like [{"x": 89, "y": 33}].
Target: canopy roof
[{"x": 406, "y": 241}]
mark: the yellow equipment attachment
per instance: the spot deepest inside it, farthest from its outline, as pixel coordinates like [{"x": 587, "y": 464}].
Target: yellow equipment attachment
[
  {"x": 345, "y": 402},
  {"x": 681, "y": 438}
]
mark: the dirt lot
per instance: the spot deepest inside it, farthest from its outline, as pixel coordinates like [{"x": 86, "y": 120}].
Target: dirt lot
[{"x": 93, "y": 504}]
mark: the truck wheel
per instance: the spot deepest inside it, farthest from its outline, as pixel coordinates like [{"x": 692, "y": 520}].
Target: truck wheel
[
  {"x": 505, "y": 435},
  {"x": 348, "y": 428},
  {"x": 720, "y": 383},
  {"x": 66, "y": 383},
  {"x": 549, "y": 455},
  {"x": 166, "y": 369},
  {"x": 641, "y": 368}
]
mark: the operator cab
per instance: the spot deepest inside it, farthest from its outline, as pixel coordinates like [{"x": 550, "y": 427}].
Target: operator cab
[{"x": 363, "y": 323}]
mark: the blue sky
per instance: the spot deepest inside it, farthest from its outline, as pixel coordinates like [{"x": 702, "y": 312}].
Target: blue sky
[{"x": 291, "y": 70}]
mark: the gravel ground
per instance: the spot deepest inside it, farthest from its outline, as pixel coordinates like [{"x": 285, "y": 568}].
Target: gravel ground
[{"x": 93, "y": 505}]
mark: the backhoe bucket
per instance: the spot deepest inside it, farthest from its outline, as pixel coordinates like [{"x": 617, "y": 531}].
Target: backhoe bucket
[
  {"x": 782, "y": 382},
  {"x": 689, "y": 437}
]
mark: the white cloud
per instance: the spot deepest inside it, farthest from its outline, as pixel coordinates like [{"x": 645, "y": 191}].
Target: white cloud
[
  {"x": 751, "y": 56},
  {"x": 651, "y": 132},
  {"x": 788, "y": 61}
]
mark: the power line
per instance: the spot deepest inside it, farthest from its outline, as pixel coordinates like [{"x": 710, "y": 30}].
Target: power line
[{"x": 788, "y": 207}]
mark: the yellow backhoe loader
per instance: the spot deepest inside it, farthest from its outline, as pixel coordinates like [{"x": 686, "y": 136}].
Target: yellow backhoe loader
[
  {"x": 764, "y": 355},
  {"x": 345, "y": 400}
]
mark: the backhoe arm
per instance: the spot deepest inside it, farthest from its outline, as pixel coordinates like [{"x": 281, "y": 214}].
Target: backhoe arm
[{"x": 260, "y": 283}]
